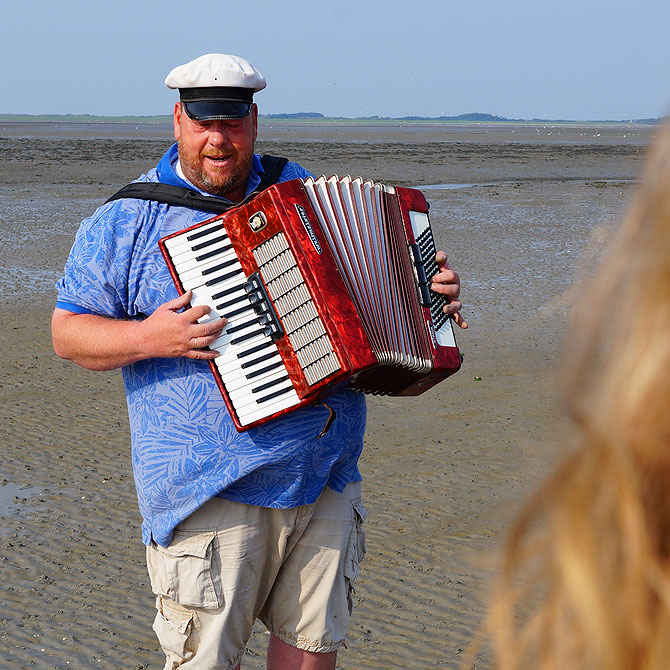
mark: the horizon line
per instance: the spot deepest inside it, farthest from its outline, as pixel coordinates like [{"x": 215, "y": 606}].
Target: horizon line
[{"x": 317, "y": 116}]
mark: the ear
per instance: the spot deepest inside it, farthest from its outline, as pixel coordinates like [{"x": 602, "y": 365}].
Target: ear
[{"x": 177, "y": 120}]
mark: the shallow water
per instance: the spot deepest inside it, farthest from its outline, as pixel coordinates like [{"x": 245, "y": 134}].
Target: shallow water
[{"x": 16, "y": 499}]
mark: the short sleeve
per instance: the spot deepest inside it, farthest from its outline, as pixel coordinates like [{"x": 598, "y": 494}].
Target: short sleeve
[{"x": 96, "y": 273}]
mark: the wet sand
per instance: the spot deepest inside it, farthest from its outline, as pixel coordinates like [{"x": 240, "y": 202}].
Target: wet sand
[{"x": 518, "y": 211}]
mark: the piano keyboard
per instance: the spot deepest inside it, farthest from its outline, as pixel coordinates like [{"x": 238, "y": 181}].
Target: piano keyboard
[{"x": 250, "y": 364}]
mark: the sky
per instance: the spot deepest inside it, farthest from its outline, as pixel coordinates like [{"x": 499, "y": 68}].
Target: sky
[{"x": 573, "y": 59}]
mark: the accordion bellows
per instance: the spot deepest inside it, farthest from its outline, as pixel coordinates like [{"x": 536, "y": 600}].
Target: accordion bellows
[{"x": 324, "y": 282}]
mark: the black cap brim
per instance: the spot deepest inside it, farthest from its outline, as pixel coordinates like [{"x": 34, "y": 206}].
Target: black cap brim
[{"x": 211, "y": 110}]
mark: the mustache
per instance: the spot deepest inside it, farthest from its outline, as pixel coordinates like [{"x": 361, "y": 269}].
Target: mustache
[{"x": 218, "y": 154}]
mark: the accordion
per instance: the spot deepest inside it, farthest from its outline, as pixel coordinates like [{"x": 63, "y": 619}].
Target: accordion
[{"x": 325, "y": 284}]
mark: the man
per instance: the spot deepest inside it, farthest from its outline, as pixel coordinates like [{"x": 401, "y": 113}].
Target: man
[{"x": 263, "y": 524}]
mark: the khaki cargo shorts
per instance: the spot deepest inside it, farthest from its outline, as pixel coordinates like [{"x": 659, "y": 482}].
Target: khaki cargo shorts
[{"x": 230, "y": 563}]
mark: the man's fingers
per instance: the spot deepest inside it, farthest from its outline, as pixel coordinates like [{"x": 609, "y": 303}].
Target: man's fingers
[
  {"x": 202, "y": 354},
  {"x": 447, "y": 282},
  {"x": 181, "y": 301},
  {"x": 203, "y": 334},
  {"x": 460, "y": 321},
  {"x": 197, "y": 312},
  {"x": 208, "y": 331},
  {"x": 451, "y": 290},
  {"x": 453, "y": 309},
  {"x": 446, "y": 275},
  {"x": 453, "y": 306},
  {"x": 214, "y": 327}
]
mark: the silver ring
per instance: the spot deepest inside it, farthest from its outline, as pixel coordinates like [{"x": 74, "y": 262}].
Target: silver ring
[{"x": 195, "y": 342}]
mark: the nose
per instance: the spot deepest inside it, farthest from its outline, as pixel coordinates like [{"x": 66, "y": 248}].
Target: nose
[{"x": 217, "y": 133}]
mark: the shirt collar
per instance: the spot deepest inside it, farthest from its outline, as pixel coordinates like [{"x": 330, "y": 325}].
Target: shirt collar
[{"x": 167, "y": 172}]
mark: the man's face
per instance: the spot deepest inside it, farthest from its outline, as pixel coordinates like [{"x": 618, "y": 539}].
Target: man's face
[{"x": 216, "y": 155}]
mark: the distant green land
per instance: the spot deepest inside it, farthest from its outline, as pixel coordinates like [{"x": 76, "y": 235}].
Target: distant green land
[{"x": 316, "y": 117}]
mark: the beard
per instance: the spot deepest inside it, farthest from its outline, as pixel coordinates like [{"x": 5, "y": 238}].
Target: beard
[{"x": 216, "y": 184}]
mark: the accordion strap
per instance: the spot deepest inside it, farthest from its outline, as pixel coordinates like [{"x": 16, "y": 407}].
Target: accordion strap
[{"x": 187, "y": 197}]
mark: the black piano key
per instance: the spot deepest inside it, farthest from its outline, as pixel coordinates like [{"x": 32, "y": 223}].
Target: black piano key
[
  {"x": 276, "y": 394},
  {"x": 213, "y": 252},
  {"x": 439, "y": 319},
  {"x": 262, "y": 371},
  {"x": 234, "y": 312},
  {"x": 260, "y": 359},
  {"x": 220, "y": 266},
  {"x": 208, "y": 243},
  {"x": 228, "y": 275},
  {"x": 228, "y": 303},
  {"x": 244, "y": 338},
  {"x": 269, "y": 385},
  {"x": 242, "y": 326},
  {"x": 201, "y": 233},
  {"x": 254, "y": 350}
]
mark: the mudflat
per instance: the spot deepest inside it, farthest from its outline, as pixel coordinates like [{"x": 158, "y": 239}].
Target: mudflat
[{"x": 523, "y": 212}]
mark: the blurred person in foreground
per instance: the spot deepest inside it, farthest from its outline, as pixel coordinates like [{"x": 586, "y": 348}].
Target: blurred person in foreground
[{"x": 585, "y": 580}]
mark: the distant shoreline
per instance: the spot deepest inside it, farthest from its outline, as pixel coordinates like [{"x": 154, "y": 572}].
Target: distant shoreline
[{"x": 319, "y": 119}]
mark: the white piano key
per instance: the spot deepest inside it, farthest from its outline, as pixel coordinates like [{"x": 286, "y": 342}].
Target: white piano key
[
  {"x": 230, "y": 364},
  {"x": 249, "y": 415},
  {"x": 236, "y": 276},
  {"x": 236, "y": 379},
  {"x": 228, "y": 339},
  {"x": 240, "y": 356},
  {"x": 187, "y": 263},
  {"x": 217, "y": 245},
  {"x": 242, "y": 351},
  {"x": 245, "y": 394},
  {"x": 224, "y": 292},
  {"x": 206, "y": 271},
  {"x": 256, "y": 390},
  {"x": 181, "y": 244},
  {"x": 202, "y": 295},
  {"x": 284, "y": 397}
]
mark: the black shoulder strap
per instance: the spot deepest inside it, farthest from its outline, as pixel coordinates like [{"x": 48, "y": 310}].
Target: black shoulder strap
[
  {"x": 272, "y": 167},
  {"x": 172, "y": 195},
  {"x": 186, "y": 197}
]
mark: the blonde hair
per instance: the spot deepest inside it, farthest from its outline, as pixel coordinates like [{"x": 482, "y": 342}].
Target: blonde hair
[{"x": 585, "y": 579}]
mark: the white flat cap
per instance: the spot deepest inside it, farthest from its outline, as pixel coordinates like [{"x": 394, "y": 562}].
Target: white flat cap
[{"x": 216, "y": 70}]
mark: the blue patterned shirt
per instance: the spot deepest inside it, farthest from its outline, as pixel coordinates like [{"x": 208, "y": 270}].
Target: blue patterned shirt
[{"x": 185, "y": 448}]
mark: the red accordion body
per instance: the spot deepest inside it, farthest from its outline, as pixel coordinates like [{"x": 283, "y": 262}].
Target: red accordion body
[{"x": 323, "y": 283}]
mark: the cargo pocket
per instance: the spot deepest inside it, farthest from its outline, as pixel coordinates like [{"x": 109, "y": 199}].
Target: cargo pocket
[
  {"x": 356, "y": 549},
  {"x": 173, "y": 626},
  {"x": 186, "y": 571}
]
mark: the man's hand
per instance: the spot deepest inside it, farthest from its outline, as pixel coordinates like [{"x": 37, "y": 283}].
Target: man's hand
[
  {"x": 447, "y": 282},
  {"x": 100, "y": 343},
  {"x": 171, "y": 333}
]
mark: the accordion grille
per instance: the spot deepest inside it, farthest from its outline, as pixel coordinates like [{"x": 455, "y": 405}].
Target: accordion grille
[{"x": 294, "y": 306}]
